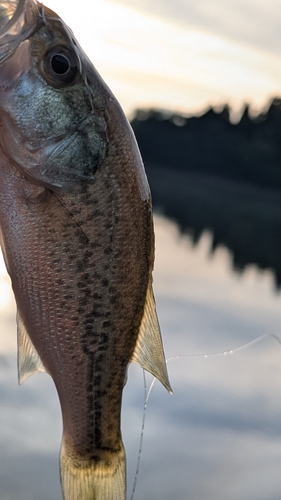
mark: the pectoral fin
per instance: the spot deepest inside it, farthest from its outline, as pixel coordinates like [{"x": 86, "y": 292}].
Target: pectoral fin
[
  {"x": 29, "y": 361},
  {"x": 149, "y": 353}
]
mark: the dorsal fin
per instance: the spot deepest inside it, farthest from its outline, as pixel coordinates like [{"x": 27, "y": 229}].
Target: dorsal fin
[
  {"x": 29, "y": 361},
  {"x": 149, "y": 353}
]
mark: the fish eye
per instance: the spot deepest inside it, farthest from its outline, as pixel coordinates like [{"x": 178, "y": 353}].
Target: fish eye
[{"x": 60, "y": 66}]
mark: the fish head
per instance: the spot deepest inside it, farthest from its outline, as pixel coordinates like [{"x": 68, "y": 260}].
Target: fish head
[{"x": 52, "y": 101}]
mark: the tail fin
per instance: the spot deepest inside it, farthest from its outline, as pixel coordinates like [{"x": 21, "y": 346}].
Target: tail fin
[{"x": 102, "y": 480}]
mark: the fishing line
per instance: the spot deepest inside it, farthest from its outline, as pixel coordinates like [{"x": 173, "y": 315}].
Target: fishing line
[
  {"x": 147, "y": 392},
  {"x": 146, "y": 395},
  {"x": 224, "y": 353}
]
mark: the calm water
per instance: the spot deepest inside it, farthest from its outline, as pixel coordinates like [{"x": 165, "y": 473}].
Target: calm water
[{"x": 219, "y": 436}]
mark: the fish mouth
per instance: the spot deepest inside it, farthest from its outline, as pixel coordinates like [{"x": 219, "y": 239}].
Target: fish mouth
[
  {"x": 17, "y": 22},
  {"x": 11, "y": 17},
  {"x": 7, "y": 12}
]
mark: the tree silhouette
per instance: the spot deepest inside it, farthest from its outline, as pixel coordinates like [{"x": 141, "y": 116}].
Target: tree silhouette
[{"x": 208, "y": 173}]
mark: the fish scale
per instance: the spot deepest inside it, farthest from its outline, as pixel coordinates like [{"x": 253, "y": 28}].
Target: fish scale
[
  {"x": 76, "y": 232},
  {"x": 97, "y": 309}
]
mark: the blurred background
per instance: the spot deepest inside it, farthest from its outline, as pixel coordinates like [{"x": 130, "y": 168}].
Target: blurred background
[{"x": 201, "y": 84}]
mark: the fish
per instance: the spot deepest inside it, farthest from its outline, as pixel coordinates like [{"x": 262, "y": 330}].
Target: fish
[{"x": 76, "y": 232}]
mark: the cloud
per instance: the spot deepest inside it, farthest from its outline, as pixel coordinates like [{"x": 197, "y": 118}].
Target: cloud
[
  {"x": 181, "y": 55},
  {"x": 248, "y": 21}
]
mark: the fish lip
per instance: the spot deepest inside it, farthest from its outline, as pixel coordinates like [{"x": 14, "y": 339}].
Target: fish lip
[
  {"x": 21, "y": 25},
  {"x": 24, "y": 9},
  {"x": 15, "y": 17}
]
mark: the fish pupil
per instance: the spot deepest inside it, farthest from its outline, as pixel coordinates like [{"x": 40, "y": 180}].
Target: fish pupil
[{"x": 60, "y": 64}]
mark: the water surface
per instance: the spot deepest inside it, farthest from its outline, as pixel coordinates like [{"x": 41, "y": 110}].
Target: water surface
[{"x": 219, "y": 436}]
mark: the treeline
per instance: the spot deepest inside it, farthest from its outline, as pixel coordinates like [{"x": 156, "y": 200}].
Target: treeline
[
  {"x": 249, "y": 151},
  {"x": 208, "y": 173}
]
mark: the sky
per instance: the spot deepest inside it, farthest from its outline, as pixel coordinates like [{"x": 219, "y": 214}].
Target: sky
[{"x": 183, "y": 55}]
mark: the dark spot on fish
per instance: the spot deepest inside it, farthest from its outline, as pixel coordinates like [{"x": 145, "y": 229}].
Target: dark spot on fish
[
  {"x": 94, "y": 457},
  {"x": 75, "y": 212},
  {"x": 71, "y": 256},
  {"x": 90, "y": 344},
  {"x": 95, "y": 244},
  {"x": 102, "y": 348},
  {"x": 113, "y": 299},
  {"x": 106, "y": 324},
  {"x": 87, "y": 254},
  {"x": 87, "y": 293},
  {"x": 109, "y": 428},
  {"x": 105, "y": 282},
  {"x": 99, "y": 357},
  {"x": 97, "y": 213},
  {"x": 80, "y": 265},
  {"x": 97, "y": 296},
  {"x": 100, "y": 393},
  {"x": 82, "y": 236},
  {"x": 90, "y": 314},
  {"x": 104, "y": 337},
  {"x": 98, "y": 367},
  {"x": 97, "y": 380},
  {"x": 97, "y": 314},
  {"x": 108, "y": 250},
  {"x": 87, "y": 277}
]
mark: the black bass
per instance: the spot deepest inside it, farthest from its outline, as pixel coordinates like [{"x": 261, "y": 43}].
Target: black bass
[{"x": 77, "y": 239}]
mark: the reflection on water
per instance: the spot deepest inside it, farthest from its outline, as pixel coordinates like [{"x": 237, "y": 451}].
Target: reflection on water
[
  {"x": 222, "y": 430},
  {"x": 208, "y": 173},
  {"x": 219, "y": 436}
]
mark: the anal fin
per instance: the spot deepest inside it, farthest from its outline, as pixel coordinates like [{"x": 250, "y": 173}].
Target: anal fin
[
  {"x": 29, "y": 361},
  {"x": 149, "y": 353}
]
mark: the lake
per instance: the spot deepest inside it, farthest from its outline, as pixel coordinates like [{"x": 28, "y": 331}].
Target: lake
[{"x": 219, "y": 436}]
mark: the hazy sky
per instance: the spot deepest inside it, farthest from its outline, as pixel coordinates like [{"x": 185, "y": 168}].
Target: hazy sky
[
  {"x": 181, "y": 55},
  {"x": 254, "y": 22}
]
